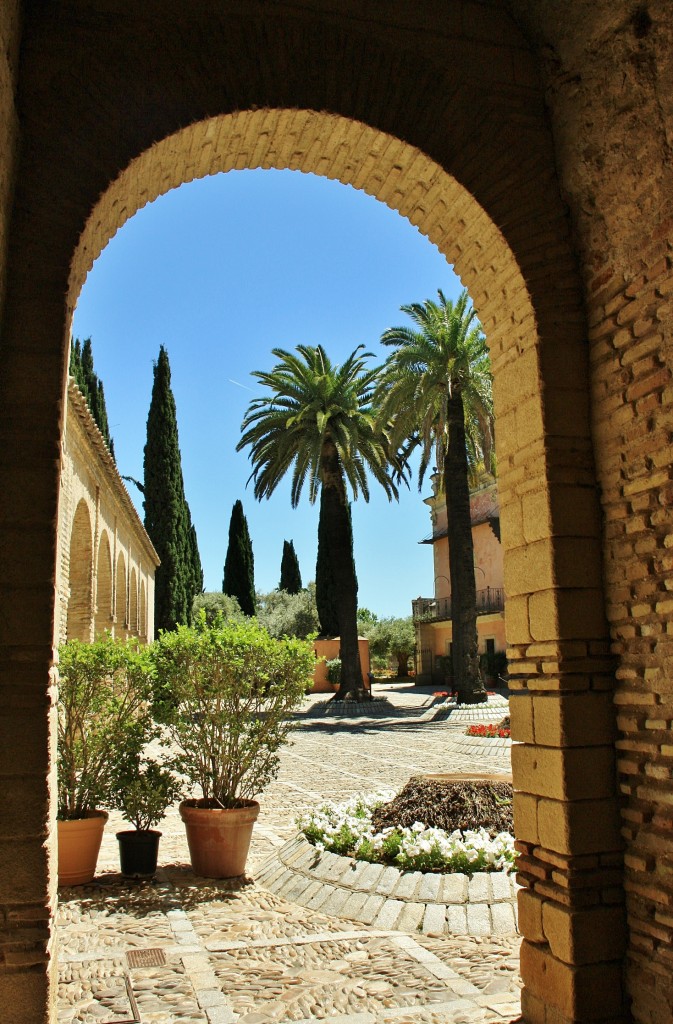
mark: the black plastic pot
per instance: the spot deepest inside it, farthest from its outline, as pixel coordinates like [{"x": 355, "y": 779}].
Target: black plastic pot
[{"x": 138, "y": 852}]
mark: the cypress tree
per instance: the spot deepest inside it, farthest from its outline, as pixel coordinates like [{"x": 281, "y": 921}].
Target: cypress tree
[
  {"x": 76, "y": 365},
  {"x": 325, "y": 588},
  {"x": 290, "y": 576},
  {"x": 239, "y": 566},
  {"x": 100, "y": 416},
  {"x": 194, "y": 558},
  {"x": 82, "y": 369},
  {"x": 167, "y": 517},
  {"x": 88, "y": 373}
]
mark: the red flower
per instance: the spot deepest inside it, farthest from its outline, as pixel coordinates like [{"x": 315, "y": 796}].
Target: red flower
[{"x": 491, "y": 731}]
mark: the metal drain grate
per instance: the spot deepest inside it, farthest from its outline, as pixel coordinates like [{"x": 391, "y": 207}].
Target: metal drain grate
[{"x": 145, "y": 957}]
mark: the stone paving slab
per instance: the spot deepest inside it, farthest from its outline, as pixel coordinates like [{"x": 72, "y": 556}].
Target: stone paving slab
[
  {"x": 487, "y": 899},
  {"x": 378, "y": 707},
  {"x": 382, "y": 710}
]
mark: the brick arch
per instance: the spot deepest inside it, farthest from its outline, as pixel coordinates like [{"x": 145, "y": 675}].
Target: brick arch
[
  {"x": 527, "y": 297},
  {"x": 103, "y": 617},
  {"x": 352, "y": 153},
  {"x": 444, "y": 120},
  {"x": 555, "y": 617},
  {"x": 80, "y": 603}
]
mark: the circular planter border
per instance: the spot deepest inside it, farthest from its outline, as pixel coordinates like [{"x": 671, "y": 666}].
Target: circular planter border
[{"x": 389, "y": 899}]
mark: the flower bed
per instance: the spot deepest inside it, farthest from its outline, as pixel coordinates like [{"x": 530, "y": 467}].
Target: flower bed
[
  {"x": 492, "y": 730},
  {"x": 347, "y": 829}
]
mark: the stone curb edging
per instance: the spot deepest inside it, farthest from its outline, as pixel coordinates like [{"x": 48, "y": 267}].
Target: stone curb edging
[
  {"x": 389, "y": 899},
  {"x": 363, "y": 714}
]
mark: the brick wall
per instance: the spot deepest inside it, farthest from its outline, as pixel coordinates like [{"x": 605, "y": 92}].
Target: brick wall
[
  {"x": 460, "y": 119},
  {"x": 9, "y": 124},
  {"x": 610, "y": 91},
  {"x": 27, "y": 880}
]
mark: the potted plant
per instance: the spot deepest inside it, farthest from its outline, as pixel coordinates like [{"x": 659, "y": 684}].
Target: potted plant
[
  {"x": 103, "y": 716},
  {"x": 334, "y": 671},
  {"x": 225, "y": 692},
  {"x": 142, "y": 791}
]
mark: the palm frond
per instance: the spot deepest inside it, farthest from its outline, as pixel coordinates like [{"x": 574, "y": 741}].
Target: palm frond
[
  {"x": 312, "y": 403},
  {"x": 445, "y": 349}
]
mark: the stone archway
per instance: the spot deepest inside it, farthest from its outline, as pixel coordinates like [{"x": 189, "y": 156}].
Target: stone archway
[
  {"x": 563, "y": 770},
  {"x": 80, "y": 603},
  {"x": 461, "y": 146}
]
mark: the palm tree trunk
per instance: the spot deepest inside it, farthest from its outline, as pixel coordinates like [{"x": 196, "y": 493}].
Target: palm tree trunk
[
  {"x": 465, "y": 650},
  {"x": 340, "y": 547}
]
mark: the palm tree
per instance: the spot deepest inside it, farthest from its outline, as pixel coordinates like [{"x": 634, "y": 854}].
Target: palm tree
[
  {"x": 321, "y": 419},
  {"x": 437, "y": 382}
]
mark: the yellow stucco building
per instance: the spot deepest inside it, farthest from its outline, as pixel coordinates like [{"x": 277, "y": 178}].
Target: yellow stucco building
[{"x": 432, "y": 615}]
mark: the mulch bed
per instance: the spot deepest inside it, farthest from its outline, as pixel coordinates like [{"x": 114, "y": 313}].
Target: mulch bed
[{"x": 450, "y": 805}]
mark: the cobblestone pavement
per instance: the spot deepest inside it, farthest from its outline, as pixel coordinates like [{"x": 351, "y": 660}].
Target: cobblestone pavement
[{"x": 184, "y": 949}]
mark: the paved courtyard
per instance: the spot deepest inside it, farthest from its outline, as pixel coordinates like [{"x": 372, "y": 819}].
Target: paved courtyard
[{"x": 184, "y": 949}]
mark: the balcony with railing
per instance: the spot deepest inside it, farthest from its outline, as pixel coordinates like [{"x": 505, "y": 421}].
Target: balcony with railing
[{"x": 438, "y": 609}]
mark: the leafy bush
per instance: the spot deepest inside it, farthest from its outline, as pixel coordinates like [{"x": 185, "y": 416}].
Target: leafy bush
[
  {"x": 215, "y": 603},
  {"x": 391, "y": 638},
  {"x": 366, "y": 619},
  {"x": 144, "y": 792},
  {"x": 334, "y": 671},
  {"x": 104, "y": 719},
  {"x": 225, "y": 693},
  {"x": 284, "y": 614}
]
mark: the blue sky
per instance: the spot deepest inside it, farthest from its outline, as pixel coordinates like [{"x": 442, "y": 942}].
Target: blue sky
[{"x": 220, "y": 271}]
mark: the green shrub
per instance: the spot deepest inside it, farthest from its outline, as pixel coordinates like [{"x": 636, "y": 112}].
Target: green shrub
[
  {"x": 284, "y": 614},
  {"x": 334, "y": 671},
  {"x": 104, "y": 719},
  {"x": 215, "y": 603},
  {"x": 225, "y": 693},
  {"x": 144, "y": 791}
]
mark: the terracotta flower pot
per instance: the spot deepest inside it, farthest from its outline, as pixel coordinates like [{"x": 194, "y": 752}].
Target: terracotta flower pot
[
  {"x": 78, "y": 845},
  {"x": 138, "y": 852},
  {"x": 218, "y": 838}
]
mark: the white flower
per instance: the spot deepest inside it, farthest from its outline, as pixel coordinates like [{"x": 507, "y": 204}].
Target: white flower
[{"x": 347, "y": 827}]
